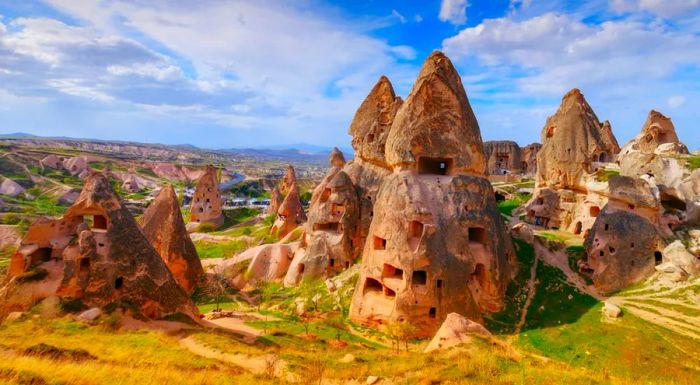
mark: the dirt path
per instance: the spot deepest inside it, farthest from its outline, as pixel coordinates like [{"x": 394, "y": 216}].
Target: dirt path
[
  {"x": 560, "y": 260},
  {"x": 531, "y": 287},
  {"x": 265, "y": 364}
]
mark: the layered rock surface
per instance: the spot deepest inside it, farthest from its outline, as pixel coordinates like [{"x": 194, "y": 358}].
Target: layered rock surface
[{"x": 504, "y": 157}]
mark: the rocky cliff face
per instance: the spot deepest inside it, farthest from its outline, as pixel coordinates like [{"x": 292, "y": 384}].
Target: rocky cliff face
[
  {"x": 291, "y": 212},
  {"x": 163, "y": 226},
  {"x": 436, "y": 243},
  {"x": 504, "y": 157},
  {"x": 96, "y": 254}
]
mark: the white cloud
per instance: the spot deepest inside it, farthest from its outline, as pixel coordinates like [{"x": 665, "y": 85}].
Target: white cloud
[
  {"x": 399, "y": 16},
  {"x": 676, "y": 101},
  {"x": 662, "y": 8},
  {"x": 418, "y": 18},
  {"x": 453, "y": 11},
  {"x": 558, "y": 51}
]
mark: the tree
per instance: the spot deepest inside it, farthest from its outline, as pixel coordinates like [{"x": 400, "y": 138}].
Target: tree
[
  {"x": 216, "y": 287},
  {"x": 337, "y": 322},
  {"x": 400, "y": 331}
]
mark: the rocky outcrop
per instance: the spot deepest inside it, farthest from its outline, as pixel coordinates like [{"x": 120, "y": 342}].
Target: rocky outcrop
[
  {"x": 504, "y": 157},
  {"x": 291, "y": 212},
  {"x": 658, "y": 130},
  {"x": 331, "y": 241},
  {"x": 206, "y": 202},
  {"x": 78, "y": 165},
  {"x": 436, "y": 242},
  {"x": 264, "y": 263},
  {"x": 52, "y": 161},
  {"x": 69, "y": 197},
  {"x": 174, "y": 172},
  {"x": 276, "y": 199},
  {"x": 439, "y": 131},
  {"x": 572, "y": 139},
  {"x": 336, "y": 158},
  {"x": 529, "y": 158},
  {"x": 456, "y": 330},
  {"x": 11, "y": 188},
  {"x": 131, "y": 185},
  {"x": 163, "y": 226},
  {"x": 97, "y": 255},
  {"x": 568, "y": 195},
  {"x": 371, "y": 123}
]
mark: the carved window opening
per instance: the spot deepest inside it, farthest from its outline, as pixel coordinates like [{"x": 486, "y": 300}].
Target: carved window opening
[
  {"x": 437, "y": 166},
  {"x": 477, "y": 235},
  {"x": 373, "y": 286},
  {"x": 325, "y": 194},
  {"x": 432, "y": 313},
  {"x": 379, "y": 243},
  {"x": 41, "y": 255},
  {"x": 658, "y": 257},
  {"x": 420, "y": 277},
  {"x": 416, "y": 229},
  {"x": 300, "y": 268},
  {"x": 579, "y": 227},
  {"x": 338, "y": 209},
  {"x": 84, "y": 265},
  {"x": 594, "y": 211},
  {"x": 119, "y": 283}
]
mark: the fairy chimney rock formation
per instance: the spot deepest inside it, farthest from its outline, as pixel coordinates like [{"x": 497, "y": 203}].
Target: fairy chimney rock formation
[
  {"x": 504, "y": 157},
  {"x": 332, "y": 238},
  {"x": 336, "y": 158},
  {"x": 436, "y": 243},
  {"x": 290, "y": 213},
  {"x": 656, "y": 131},
  {"x": 276, "y": 199},
  {"x": 206, "y": 203},
  {"x": 529, "y": 158},
  {"x": 572, "y": 139},
  {"x": 289, "y": 181},
  {"x": 96, "y": 254},
  {"x": 437, "y": 130},
  {"x": 163, "y": 226},
  {"x": 372, "y": 121}
]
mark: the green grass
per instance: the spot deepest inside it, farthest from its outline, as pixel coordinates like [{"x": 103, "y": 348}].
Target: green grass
[
  {"x": 504, "y": 322},
  {"x": 693, "y": 162},
  {"x": 239, "y": 215},
  {"x": 604, "y": 175},
  {"x": 220, "y": 250},
  {"x": 6, "y": 253},
  {"x": 506, "y": 207}
]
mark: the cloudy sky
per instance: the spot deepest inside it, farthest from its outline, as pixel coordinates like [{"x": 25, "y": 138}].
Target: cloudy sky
[{"x": 255, "y": 73}]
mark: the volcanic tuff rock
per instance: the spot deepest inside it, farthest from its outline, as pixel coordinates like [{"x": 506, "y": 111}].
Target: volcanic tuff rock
[
  {"x": 163, "y": 226},
  {"x": 371, "y": 123},
  {"x": 657, "y": 130},
  {"x": 436, "y": 241},
  {"x": 10, "y": 188},
  {"x": 276, "y": 199},
  {"x": 331, "y": 241},
  {"x": 291, "y": 212},
  {"x": 572, "y": 139},
  {"x": 336, "y": 158},
  {"x": 436, "y": 122},
  {"x": 206, "y": 203},
  {"x": 504, "y": 157},
  {"x": 529, "y": 158},
  {"x": 454, "y": 331},
  {"x": 96, "y": 254}
]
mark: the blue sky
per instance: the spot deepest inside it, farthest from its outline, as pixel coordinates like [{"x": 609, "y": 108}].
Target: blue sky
[{"x": 256, "y": 73}]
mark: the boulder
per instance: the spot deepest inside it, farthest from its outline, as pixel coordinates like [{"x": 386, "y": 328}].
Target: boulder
[
  {"x": 10, "y": 188},
  {"x": 69, "y": 197},
  {"x": 657, "y": 130},
  {"x": 456, "y": 330},
  {"x": 677, "y": 254},
  {"x": 164, "y": 227},
  {"x": 51, "y": 161},
  {"x": 611, "y": 310},
  {"x": 90, "y": 315}
]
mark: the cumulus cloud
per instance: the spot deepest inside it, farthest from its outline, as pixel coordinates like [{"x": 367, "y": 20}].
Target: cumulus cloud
[
  {"x": 453, "y": 11},
  {"x": 558, "y": 51},
  {"x": 662, "y": 8}
]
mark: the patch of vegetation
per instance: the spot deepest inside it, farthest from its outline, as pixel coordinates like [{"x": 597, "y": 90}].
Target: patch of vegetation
[
  {"x": 507, "y": 207},
  {"x": 72, "y": 305},
  {"x": 504, "y": 322},
  {"x": 54, "y": 353},
  {"x": 220, "y": 250},
  {"x": 604, "y": 174},
  {"x": 36, "y": 274},
  {"x": 239, "y": 215},
  {"x": 693, "y": 162},
  {"x": 574, "y": 254},
  {"x": 6, "y": 254}
]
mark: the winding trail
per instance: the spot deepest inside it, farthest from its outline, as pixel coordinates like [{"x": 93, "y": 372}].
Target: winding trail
[{"x": 531, "y": 287}]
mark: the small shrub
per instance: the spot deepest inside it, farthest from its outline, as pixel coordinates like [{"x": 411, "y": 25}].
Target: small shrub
[
  {"x": 72, "y": 306},
  {"x": 206, "y": 228},
  {"x": 55, "y": 353},
  {"x": 32, "y": 276}
]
